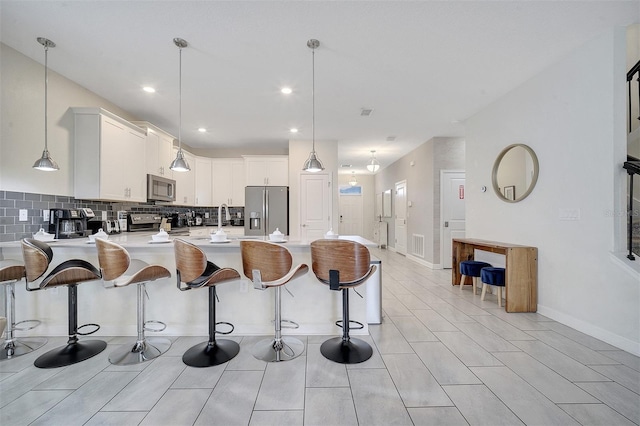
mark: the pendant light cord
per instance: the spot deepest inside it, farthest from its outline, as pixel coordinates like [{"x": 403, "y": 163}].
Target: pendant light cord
[
  {"x": 313, "y": 99},
  {"x": 46, "y": 90},
  {"x": 180, "y": 103}
]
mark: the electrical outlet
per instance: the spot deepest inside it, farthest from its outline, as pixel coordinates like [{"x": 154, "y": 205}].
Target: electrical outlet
[
  {"x": 206, "y": 215},
  {"x": 45, "y": 215},
  {"x": 104, "y": 215},
  {"x": 244, "y": 286},
  {"x": 23, "y": 215}
]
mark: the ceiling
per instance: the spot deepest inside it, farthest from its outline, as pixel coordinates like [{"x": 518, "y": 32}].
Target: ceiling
[{"x": 422, "y": 66}]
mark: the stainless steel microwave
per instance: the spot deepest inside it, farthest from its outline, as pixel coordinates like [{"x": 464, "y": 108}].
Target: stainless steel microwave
[{"x": 160, "y": 188}]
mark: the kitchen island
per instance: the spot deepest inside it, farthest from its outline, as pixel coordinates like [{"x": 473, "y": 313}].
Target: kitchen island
[{"x": 311, "y": 304}]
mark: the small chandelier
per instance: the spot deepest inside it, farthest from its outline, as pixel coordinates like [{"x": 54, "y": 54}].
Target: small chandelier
[
  {"x": 373, "y": 165},
  {"x": 313, "y": 164},
  {"x": 180, "y": 163},
  {"x": 353, "y": 181},
  {"x": 46, "y": 163}
]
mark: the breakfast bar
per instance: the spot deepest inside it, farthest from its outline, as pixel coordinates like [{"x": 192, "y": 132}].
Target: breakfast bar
[{"x": 307, "y": 302}]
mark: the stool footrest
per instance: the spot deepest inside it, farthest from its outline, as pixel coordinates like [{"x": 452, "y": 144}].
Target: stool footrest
[
  {"x": 162, "y": 327},
  {"x": 285, "y": 323},
  {"x": 360, "y": 326},
  {"x": 87, "y": 333},
  {"x": 37, "y": 323},
  {"x": 224, "y": 323}
]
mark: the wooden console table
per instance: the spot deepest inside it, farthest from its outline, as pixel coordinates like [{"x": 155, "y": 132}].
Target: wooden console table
[{"x": 521, "y": 270}]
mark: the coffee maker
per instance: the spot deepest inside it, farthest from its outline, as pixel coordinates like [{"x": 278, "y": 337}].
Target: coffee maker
[{"x": 69, "y": 223}]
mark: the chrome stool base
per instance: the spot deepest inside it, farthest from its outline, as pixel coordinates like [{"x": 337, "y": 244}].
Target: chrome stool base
[
  {"x": 352, "y": 351},
  {"x": 70, "y": 354},
  {"x": 145, "y": 350},
  {"x": 207, "y": 355},
  {"x": 267, "y": 349},
  {"x": 21, "y": 346}
]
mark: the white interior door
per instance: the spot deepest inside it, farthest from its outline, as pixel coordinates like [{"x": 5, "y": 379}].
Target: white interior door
[
  {"x": 351, "y": 215},
  {"x": 401, "y": 217},
  {"x": 315, "y": 206},
  {"x": 452, "y": 215}
]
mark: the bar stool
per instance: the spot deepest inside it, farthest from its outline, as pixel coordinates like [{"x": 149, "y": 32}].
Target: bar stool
[
  {"x": 193, "y": 268},
  {"x": 342, "y": 265},
  {"x": 12, "y": 271},
  {"x": 471, "y": 268},
  {"x": 270, "y": 265},
  {"x": 493, "y": 277},
  {"x": 118, "y": 267},
  {"x": 37, "y": 258}
]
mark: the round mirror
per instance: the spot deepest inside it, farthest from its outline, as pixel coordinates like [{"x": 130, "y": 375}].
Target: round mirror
[{"x": 515, "y": 173}]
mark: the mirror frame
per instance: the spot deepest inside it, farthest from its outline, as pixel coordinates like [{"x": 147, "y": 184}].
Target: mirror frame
[{"x": 534, "y": 179}]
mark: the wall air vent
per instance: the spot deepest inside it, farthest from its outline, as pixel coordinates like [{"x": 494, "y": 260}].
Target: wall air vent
[
  {"x": 391, "y": 138},
  {"x": 365, "y": 112}
]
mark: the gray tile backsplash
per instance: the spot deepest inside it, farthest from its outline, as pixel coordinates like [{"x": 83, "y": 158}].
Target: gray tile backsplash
[{"x": 12, "y": 229}]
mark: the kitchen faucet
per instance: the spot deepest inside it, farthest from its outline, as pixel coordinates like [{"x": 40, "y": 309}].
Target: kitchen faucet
[{"x": 227, "y": 217}]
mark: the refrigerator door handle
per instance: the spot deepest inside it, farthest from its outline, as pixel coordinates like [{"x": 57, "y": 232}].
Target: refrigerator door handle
[{"x": 265, "y": 207}]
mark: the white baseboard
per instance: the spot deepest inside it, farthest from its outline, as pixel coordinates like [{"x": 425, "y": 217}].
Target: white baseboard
[
  {"x": 423, "y": 262},
  {"x": 592, "y": 330}
]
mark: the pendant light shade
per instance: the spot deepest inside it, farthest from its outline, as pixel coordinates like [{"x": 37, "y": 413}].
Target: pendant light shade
[
  {"x": 353, "y": 181},
  {"x": 313, "y": 163},
  {"x": 180, "y": 163},
  {"x": 373, "y": 165},
  {"x": 46, "y": 163}
]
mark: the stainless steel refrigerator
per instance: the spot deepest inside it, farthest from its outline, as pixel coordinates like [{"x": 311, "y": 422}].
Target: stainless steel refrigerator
[{"x": 265, "y": 209}]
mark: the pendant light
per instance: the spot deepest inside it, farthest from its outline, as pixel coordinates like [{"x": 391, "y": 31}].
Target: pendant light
[
  {"x": 46, "y": 163},
  {"x": 180, "y": 164},
  {"x": 353, "y": 181},
  {"x": 373, "y": 165},
  {"x": 313, "y": 164}
]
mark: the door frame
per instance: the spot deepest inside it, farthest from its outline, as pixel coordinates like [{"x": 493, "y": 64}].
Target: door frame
[
  {"x": 443, "y": 172},
  {"x": 395, "y": 216}
]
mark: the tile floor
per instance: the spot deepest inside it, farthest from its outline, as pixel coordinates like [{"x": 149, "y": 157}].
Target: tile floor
[{"x": 441, "y": 356}]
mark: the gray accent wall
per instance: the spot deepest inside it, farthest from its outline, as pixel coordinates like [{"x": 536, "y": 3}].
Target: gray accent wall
[{"x": 423, "y": 190}]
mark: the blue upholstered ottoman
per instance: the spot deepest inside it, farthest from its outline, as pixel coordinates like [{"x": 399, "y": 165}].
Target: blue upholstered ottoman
[
  {"x": 471, "y": 268},
  {"x": 493, "y": 277}
]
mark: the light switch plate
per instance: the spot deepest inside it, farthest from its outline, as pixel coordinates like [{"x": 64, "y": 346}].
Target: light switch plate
[
  {"x": 45, "y": 215},
  {"x": 104, "y": 215},
  {"x": 23, "y": 215}
]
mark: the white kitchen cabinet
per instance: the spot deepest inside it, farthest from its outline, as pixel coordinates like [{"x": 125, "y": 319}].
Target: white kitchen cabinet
[
  {"x": 228, "y": 181},
  {"x": 271, "y": 170},
  {"x": 203, "y": 181},
  {"x": 185, "y": 181},
  {"x": 108, "y": 150},
  {"x": 159, "y": 146}
]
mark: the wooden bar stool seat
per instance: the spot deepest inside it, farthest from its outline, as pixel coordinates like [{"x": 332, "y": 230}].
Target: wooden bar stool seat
[
  {"x": 471, "y": 268},
  {"x": 37, "y": 258},
  {"x": 195, "y": 271},
  {"x": 342, "y": 265},
  {"x": 12, "y": 271},
  {"x": 270, "y": 265},
  {"x": 118, "y": 268}
]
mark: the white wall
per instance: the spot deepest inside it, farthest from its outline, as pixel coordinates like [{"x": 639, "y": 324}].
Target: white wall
[
  {"x": 22, "y": 123},
  {"x": 573, "y": 116}
]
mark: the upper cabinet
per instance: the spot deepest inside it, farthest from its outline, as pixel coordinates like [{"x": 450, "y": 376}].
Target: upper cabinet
[
  {"x": 203, "y": 188},
  {"x": 228, "y": 181},
  {"x": 159, "y": 147},
  {"x": 108, "y": 150},
  {"x": 270, "y": 170},
  {"x": 185, "y": 181}
]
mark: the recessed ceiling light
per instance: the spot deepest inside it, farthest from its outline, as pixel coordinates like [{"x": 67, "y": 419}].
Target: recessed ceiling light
[
  {"x": 286, "y": 90},
  {"x": 202, "y": 130},
  {"x": 293, "y": 130},
  {"x": 149, "y": 89}
]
